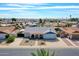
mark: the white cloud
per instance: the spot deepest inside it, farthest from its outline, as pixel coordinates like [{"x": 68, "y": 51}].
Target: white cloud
[
  {"x": 46, "y": 7},
  {"x": 20, "y": 14},
  {"x": 72, "y": 10},
  {"x": 39, "y": 1},
  {"x": 12, "y": 8},
  {"x": 20, "y": 5},
  {"x": 13, "y": 4},
  {"x": 22, "y": 10},
  {"x": 51, "y": 7}
]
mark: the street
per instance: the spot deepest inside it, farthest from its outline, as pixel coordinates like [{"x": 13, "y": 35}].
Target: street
[{"x": 28, "y": 51}]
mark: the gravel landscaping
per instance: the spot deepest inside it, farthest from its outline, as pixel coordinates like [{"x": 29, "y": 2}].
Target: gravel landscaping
[{"x": 27, "y": 43}]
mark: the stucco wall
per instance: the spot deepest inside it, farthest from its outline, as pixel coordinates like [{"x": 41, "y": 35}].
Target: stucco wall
[{"x": 26, "y": 34}]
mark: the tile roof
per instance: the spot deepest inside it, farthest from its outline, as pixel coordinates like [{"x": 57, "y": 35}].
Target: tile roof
[
  {"x": 38, "y": 30},
  {"x": 7, "y": 29},
  {"x": 71, "y": 30}
]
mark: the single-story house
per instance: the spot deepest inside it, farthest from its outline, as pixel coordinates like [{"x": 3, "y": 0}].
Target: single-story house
[
  {"x": 32, "y": 24},
  {"x": 4, "y": 31},
  {"x": 2, "y": 35},
  {"x": 70, "y": 32},
  {"x": 40, "y": 32},
  {"x": 76, "y": 25}
]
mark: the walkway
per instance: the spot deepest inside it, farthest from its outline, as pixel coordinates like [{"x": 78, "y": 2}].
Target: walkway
[
  {"x": 16, "y": 42},
  {"x": 76, "y": 42},
  {"x": 67, "y": 42}
]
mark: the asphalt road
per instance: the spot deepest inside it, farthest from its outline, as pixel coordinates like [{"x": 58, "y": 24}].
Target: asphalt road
[{"x": 28, "y": 51}]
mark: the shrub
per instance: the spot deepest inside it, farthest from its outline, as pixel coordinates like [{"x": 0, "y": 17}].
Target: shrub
[
  {"x": 7, "y": 36},
  {"x": 43, "y": 52},
  {"x": 10, "y": 39}
]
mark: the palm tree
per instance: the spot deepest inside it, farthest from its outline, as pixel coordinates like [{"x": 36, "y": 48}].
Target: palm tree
[
  {"x": 43, "y": 22},
  {"x": 0, "y": 22},
  {"x": 17, "y": 26},
  {"x": 70, "y": 16},
  {"x": 43, "y": 52},
  {"x": 40, "y": 22}
]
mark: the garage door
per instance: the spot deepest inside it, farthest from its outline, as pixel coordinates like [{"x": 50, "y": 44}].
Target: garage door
[
  {"x": 20, "y": 35},
  {"x": 49, "y": 36}
]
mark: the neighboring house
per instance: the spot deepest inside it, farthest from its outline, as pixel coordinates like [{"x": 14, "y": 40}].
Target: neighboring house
[
  {"x": 4, "y": 31},
  {"x": 32, "y": 24},
  {"x": 6, "y": 24},
  {"x": 40, "y": 32},
  {"x": 76, "y": 25},
  {"x": 2, "y": 35},
  {"x": 70, "y": 32}
]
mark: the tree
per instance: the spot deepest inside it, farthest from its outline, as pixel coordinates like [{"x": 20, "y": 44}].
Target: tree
[
  {"x": 43, "y": 52},
  {"x": 13, "y": 20},
  {"x": 74, "y": 19},
  {"x": 10, "y": 39},
  {"x": 43, "y": 22},
  {"x": 40, "y": 20},
  {"x": 17, "y": 26},
  {"x": 0, "y": 21},
  {"x": 68, "y": 25},
  {"x": 70, "y": 16},
  {"x": 22, "y": 26}
]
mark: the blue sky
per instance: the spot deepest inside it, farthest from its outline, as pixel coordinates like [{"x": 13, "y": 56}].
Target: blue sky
[{"x": 39, "y": 10}]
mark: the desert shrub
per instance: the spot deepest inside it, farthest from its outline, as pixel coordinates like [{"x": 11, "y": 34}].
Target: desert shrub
[
  {"x": 7, "y": 36},
  {"x": 42, "y": 52},
  {"x": 10, "y": 39}
]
